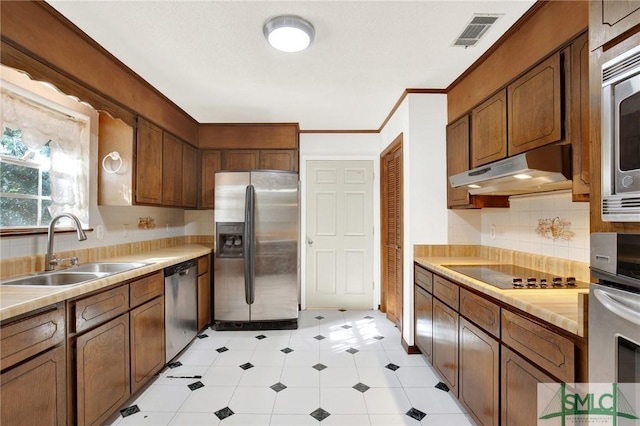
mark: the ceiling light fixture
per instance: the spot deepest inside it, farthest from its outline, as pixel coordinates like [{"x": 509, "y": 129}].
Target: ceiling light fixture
[{"x": 289, "y": 33}]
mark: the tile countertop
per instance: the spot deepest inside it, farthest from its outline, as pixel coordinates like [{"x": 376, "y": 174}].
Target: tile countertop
[
  {"x": 19, "y": 300},
  {"x": 558, "y": 307}
]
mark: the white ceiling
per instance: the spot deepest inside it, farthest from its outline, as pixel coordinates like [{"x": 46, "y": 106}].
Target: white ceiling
[{"x": 212, "y": 60}]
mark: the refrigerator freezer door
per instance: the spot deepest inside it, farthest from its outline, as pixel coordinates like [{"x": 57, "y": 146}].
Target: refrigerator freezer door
[
  {"x": 276, "y": 250},
  {"x": 229, "y": 282}
]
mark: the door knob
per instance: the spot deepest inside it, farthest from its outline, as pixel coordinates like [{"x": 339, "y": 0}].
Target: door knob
[{"x": 309, "y": 241}]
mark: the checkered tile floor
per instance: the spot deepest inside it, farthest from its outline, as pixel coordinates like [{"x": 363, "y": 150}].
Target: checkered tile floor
[{"x": 337, "y": 368}]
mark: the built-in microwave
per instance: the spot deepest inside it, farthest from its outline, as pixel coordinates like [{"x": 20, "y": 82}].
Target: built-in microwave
[{"x": 621, "y": 138}]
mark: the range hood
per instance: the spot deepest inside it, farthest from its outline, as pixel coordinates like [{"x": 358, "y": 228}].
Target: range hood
[{"x": 539, "y": 170}]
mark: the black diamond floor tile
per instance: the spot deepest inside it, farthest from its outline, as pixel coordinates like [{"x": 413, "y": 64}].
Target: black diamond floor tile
[
  {"x": 260, "y": 337},
  {"x": 319, "y": 367},
  {"x": 175, "y": 364},
  {"x": 278, "y": 387},
  {"x": 391, "y": 367},
  {"x": 361, "y": 387},
  {"x": 378, "y": 337},
  {"x": 319, "y": 337},
  {"x": 196, "y": 385},
  {"x": 342, "y": 310},
  {"x": 202, "y": 336},
  {"x": 346, "y": 326},
  {"x": 414, "y": 413},
  {"x": 246, "y": 366},
  {"x": 442, "y": 386},
  {"x": 129, "y": 411},
  {"x": 368, "y": 317},
  {"x": 222, "y": 349},
  {"x": 319, "y": 317},
  {"x": 320, "y": 414},
  {"x": 286, "y": 350},
  {"x": 353, "y": 350},
  {"x": 224, "y": 413}
]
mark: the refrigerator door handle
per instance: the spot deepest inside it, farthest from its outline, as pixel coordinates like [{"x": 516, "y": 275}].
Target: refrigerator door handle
[{"x": 249, "y": 245}]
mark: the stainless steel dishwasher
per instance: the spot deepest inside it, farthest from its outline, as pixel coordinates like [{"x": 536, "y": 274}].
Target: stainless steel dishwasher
[{"x": 181, "y": 308}]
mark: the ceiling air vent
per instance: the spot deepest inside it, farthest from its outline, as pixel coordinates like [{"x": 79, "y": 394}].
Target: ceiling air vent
[{"x": 475, "y": 29}]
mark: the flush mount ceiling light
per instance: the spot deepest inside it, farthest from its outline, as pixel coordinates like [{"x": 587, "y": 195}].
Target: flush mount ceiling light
[{"x": 289, "y": 33}]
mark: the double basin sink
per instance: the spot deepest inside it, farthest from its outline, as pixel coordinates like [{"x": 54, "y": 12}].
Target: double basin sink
[{"x": 74, "y": 275}]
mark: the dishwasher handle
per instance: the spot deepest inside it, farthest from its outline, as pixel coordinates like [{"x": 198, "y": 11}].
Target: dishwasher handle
[{"x": 180, "y": 268}]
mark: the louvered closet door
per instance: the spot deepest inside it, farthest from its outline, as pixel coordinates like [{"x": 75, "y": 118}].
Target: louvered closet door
[{"x": 392, "y": 231}]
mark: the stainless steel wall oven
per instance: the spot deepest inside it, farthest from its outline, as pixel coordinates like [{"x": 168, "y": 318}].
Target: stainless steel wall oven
[
  {"x": 621, "y": 138},
  {"x": 614, "y": 309}
]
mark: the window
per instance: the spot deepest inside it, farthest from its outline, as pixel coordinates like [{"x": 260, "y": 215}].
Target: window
[{"x": 44, "y": 156}]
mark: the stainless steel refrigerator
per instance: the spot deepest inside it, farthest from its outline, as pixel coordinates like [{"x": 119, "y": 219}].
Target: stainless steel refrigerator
[{"x": 256, "y": 280}]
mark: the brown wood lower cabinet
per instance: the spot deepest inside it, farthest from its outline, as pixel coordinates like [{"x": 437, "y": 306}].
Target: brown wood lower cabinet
[
  {"x": 479, "y": 374},
  {"x": 424, "y": 322},
  {"x": 102, "y": 371},
  {"x": 34, "y": 393},
  {"x": 147, "y": 342},
  {"x": 204, "y": 292},
  {"x": 445, "y": 344},
  {"x": 519, "y": 387}
]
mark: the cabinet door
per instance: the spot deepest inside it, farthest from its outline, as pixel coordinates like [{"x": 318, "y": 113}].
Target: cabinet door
[
  {"x": 609, "y": 19},
  {"x": 457, "y": 159},
  {"x": 204, "y": 300},
  {"x": 489, "y": 130},
  {"x": 424, "y": 322},
  {"x": 479, "y": 374},
  {"x": 518, "y": 387},
  {"x": 210, "y": 162},
  {"x": 102, "y": 371},
  {"x": 148, "y": 163},
  {"x": 241, "y": 159},
  {"x": 171, "y": 171},
  {"x": 34, "y": 393},
  {"x": 279, "y": 159},
  {"x": 445, "y": 344},
  {"x": 189, "y": 176},
  {"x": 147, "y": 342},
  {"x": 578, "y": 106},
  {"x": 535, "y": 111}
]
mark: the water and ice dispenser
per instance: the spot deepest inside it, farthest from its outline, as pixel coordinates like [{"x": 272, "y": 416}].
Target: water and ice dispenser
[{"x": 230, "y": 241}]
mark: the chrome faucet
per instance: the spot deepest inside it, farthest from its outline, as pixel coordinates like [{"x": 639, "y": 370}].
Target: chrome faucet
[{"x": 50, "y": 259}]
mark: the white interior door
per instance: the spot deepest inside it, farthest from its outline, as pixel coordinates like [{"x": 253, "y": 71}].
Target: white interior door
[{"x": 339, "y": 240}]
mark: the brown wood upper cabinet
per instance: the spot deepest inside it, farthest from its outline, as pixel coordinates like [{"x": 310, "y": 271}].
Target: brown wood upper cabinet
[
  {"x": 457, "y": 159},
  {"x": 210, "y": 163},
  {"x": 171, "y": 170},
  {"x": 189, "y": 176},
  {"x": 534, "y": 107},
  {"x": 241, "y": 159},
  {"x": 611, "y": 19},
  {"x": 489, "y": 130},
  {"x": 148, "y": 163},
  {"x": 578, "y": 113}
]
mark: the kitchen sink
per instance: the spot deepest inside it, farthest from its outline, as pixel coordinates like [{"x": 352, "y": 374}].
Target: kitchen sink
[
  {"x": 74, "y": 275},
  {"x": 107, "y": 267}
]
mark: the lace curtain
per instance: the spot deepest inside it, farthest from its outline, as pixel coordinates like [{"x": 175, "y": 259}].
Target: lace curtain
[{"x": 69, "y": 147}]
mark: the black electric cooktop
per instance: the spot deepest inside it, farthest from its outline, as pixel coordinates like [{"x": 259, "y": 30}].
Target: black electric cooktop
[{"x": 508, "y": 276}]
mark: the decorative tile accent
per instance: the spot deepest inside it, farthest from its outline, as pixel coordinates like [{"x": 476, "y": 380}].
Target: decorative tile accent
[
  {"x": 346, "y": 326},
  {"x": 353, "y": 350},
  {"x": 222, "y": 349},
  {"x": 361, "y": 387},
  {"x": 442, "y": 386},
  {"x": 319, "y": 337},
  {"x": 319, "y": 367},
  {"x": 125, "y": 412},
  {"x": 246, "y": 366},
  {"x": 319, "y": 414},
  {"x": 414, "y": 413},
  {"x": 224, "y": 413},
  {"x": 174, "y": 364},
  {"x": 392, "y": 366},
  {"x": 319, "y": 317},
  {"x": 260, "y": 337},
  {"x": 278, "y": 387},
  {"x": 202, "y": 336},
  {"x": 555, "y": 229},
  {"x": 286, "y": 350},
  {"x": 342, "y": 310},
  {"x": 378, "y": 337},
  {"x": 196, "y": 385}
]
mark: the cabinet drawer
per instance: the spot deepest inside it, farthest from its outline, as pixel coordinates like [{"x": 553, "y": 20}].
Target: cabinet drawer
[
  {"x": 481, "y": 311},
  {"x": 96, "y": 309},
  {"x": 446, "y": 291},
  {"x": 543, "y": 347},
  {"x": 203, "y": 265},
  {"x": 31, "y": 335},
  {"x": 424, "y": 279},
  {"x": 146, "y": 289}
]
